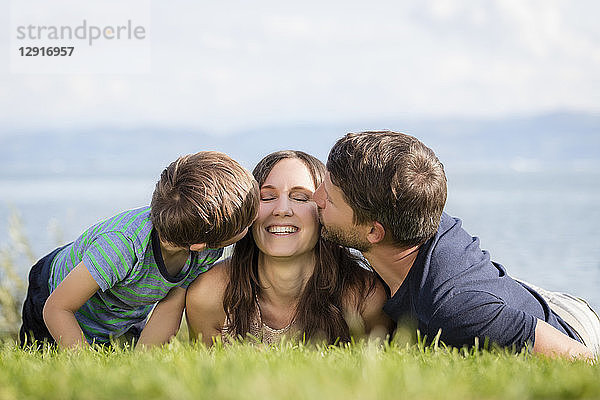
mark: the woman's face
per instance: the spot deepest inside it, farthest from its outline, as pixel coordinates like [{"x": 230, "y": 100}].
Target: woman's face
[{"x": 287, "y": 224}]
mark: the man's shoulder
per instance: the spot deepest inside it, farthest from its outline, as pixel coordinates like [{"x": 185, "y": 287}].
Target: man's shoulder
[
  {"x": 446, "y": 239},
  {"x": 448, "y": 226},
  {"x": 452, "y": 245},
  {"x": 451, "y": 259}
]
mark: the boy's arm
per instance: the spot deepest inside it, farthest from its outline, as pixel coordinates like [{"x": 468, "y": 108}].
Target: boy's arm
[
  {"x": 552, "y": 342},
  {"x": 165, "y": 319},
  {"x": 59, "y": 310}
]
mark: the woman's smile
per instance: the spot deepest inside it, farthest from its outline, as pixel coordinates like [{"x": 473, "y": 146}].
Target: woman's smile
[
  {"x": 282, "y": 230},
  {"x": 287, "y": 224}
]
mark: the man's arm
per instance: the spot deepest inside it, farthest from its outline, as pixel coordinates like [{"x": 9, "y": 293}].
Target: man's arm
[
  {"x": 552, "y": 342},
  {"x": 478, "y": 314},
  {"x": 165, "y": 319},
  {"x": 59, "y": 310}
]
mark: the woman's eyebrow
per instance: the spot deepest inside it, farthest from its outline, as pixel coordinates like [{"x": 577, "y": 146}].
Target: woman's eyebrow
[
  {"x": 299, "y": 187},
  {"x": 302, "y": 188}
]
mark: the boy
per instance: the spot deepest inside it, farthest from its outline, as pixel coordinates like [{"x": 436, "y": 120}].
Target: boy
[{"x": 104, "y": 284}]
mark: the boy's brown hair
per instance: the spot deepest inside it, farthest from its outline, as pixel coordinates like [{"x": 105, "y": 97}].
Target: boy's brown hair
[{"x": 205, "y": 197}]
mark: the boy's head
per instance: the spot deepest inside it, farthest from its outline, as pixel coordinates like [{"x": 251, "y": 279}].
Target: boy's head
[{"x": 205, "y": 197}]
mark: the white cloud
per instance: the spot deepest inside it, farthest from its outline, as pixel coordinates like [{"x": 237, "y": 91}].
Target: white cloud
[{"x": 227, "y": 65}]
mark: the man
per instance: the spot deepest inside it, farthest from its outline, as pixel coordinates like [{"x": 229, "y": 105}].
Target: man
[{"x": 384, "y": 194}]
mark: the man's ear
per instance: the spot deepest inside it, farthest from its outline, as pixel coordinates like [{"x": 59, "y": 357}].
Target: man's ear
[
  {"x": 376, "y": 234},
  {"x": 198, "y": 247}
]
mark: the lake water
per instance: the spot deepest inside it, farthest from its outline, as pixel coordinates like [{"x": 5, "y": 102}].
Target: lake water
[{"x": 543, "y": 227}]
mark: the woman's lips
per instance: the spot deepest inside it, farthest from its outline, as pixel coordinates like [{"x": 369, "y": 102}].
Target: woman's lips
[{"x": 282, "y": 229}]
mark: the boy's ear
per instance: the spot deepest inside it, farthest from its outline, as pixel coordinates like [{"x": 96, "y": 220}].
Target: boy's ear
[
  {"x": 198, "y": 247},
  {"x": 376, "y": 234}
]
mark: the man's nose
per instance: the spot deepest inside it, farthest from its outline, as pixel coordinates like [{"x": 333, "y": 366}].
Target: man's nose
[{"x": 318, "y": 196}]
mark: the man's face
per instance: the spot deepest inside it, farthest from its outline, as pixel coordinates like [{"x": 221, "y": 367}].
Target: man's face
[{"x": 336, "y": 216}]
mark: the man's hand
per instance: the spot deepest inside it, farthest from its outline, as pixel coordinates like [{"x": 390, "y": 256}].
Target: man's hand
[{"x": 552, "y": 342}]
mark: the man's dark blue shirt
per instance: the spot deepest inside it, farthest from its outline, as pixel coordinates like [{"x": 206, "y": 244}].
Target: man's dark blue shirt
[{"x": 453, "y": 286}]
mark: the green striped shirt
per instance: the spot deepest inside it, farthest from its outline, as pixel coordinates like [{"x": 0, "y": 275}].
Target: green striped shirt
[{"x": 122, "y": 254}]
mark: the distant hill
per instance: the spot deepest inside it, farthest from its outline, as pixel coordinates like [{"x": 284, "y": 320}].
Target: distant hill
[{"x": 553, "y": 141}]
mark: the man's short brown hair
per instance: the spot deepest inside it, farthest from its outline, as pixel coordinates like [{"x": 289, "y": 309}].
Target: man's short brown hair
[
  {"x": 391, "y": 178},
  {"x": 205, "y": 197}
]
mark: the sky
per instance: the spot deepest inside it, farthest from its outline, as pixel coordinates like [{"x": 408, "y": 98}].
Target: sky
[
  {"x": 232, "y": 65},
  {"x": 244, "y": 67}
]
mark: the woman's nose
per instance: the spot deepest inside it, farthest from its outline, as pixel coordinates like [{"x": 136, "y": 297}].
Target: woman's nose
[{"x": 283, "y": 207}]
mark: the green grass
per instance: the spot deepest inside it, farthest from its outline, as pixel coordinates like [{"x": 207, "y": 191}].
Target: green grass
[
  {"x": 360, "y": 371},
  {"x": 181, "y": 370},
  {"x": 15, "y": 255}
]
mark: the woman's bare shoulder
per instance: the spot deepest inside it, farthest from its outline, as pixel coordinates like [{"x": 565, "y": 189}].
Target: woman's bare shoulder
[
  {"x": 204, "y": 303},
  {"x": 209, "y": 287},
  {"x": 372, "y": 297}
]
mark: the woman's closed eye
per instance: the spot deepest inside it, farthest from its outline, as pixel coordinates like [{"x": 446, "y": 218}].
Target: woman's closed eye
[
  {"x": 267, "y": 196},
  {"x": 300, "y": 196}
]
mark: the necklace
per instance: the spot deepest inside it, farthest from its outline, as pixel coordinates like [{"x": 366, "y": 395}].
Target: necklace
[{"x": 267, "y": 330}]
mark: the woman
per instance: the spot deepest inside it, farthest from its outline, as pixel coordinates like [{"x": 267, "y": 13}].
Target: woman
[{"x": 283, "y": 279}]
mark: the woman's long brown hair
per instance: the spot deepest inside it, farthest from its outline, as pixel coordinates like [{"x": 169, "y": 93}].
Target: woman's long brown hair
[{"x": 337, "y": 275}]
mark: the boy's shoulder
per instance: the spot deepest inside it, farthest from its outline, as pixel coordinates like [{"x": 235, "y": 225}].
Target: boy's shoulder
[
  {"x": 134, "y": 224},
  {"x": 133, "y": 220},
  {"x": 127, "y": 234}
]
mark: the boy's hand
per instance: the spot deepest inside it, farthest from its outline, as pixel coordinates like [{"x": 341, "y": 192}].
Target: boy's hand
[
  {"x": 59, "y": 310},
  {"x": 165, "y": 319}
]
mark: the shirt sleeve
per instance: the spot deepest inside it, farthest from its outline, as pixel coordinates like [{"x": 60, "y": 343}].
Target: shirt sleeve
[
  {"x": 109, "y": 259},
  {"x": 202, "y": 263},
  {"x": 472, "y": 314}
]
